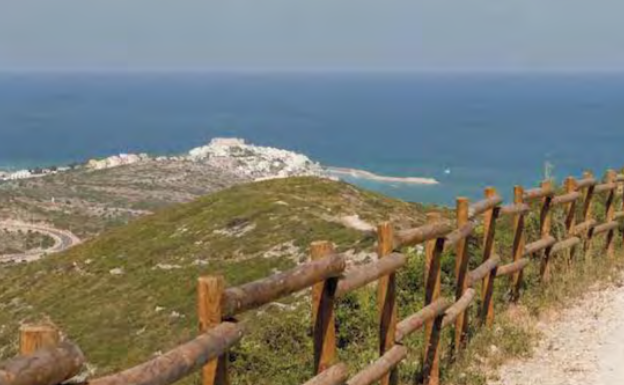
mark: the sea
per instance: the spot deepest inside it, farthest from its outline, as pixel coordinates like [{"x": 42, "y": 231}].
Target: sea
[{"x": 466, "y": 130}]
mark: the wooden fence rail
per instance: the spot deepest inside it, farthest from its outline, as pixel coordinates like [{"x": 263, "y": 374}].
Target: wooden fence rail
[{"x": 49, "y": 360}]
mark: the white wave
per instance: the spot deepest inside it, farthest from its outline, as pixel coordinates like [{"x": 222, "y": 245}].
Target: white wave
[{"x": 363, "y": 174}]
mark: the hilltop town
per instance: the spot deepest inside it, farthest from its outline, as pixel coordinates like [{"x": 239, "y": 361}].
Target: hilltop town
[{"x": 229, "y": 155}]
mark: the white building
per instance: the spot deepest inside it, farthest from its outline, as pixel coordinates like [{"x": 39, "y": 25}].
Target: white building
[
  {"x": 21, "y": 174},
  {"x": 116, "y": 161},
  {"x": 257, "y": 162}
]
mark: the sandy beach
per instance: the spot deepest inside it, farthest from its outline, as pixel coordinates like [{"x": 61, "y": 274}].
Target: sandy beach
[{"x": 362, "y": 174}]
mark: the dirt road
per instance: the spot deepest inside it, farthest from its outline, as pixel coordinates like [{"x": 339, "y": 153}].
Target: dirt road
[
  {"x": 62, "y": 240},
  {"x": 584, "y": 344}
]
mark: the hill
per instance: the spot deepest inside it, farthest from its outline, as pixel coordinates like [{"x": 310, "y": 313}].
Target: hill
[
  {"x": 130, "y": 292},
  {"x": 88, "y": 202}
]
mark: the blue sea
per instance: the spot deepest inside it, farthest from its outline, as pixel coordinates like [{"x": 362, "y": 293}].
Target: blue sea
[{"x": 466, "y": 130}]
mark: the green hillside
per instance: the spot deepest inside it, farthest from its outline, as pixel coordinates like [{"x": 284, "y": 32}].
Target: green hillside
[{"x": 131, "y": 292}]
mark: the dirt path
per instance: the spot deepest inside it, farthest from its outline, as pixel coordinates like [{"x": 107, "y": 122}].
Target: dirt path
[{"x": 584, "y": 344}]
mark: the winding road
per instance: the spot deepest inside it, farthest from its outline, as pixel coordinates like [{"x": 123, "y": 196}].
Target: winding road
[{"x": 63, "y": 240}]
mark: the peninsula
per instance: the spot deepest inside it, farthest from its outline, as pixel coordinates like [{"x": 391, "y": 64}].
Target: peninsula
[
  {"x": 86, "y": 198},
  {"x": 233, "y": 156}
]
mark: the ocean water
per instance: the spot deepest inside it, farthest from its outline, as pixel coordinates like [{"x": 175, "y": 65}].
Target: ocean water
[{"x": 485, "y": 129}]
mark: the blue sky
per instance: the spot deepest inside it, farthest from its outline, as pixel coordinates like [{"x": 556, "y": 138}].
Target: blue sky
[{"x": 441, "y": 35}]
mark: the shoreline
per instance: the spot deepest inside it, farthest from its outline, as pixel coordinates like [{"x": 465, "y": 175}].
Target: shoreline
[
  {"x": 363, "y": 174},
  {"x": 290, "y": 164}
]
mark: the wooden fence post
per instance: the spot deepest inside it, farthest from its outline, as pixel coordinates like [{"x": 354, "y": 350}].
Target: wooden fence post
[
  {"x": 622, "y": 207},
  {"x": 570, "y": 221},
  {"x": 433, "y": 253},
  {"x": 487, "y": 288},
  {"x": 545, "y": 227},
  {"x": 35, "y": 337},
  {"x": 587, "y": 215},
  {"x": 518, "y": 244},
  {"x": 323, "y": 298},
  {"x": 209, "y": 310},
  {"x": 461, "y": 270},
  {"x": 386, "y": 300},
  {"x": 610, "y": 214}
]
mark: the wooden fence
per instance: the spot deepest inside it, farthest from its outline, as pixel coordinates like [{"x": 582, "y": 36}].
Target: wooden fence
[{"x": 46, "y": 361}]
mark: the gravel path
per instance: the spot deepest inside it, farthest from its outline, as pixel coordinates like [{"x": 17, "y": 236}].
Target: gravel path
[{"x": 583, "y": 344}]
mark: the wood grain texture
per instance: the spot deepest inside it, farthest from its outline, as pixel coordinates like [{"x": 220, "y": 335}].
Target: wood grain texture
[
  {"x": 489, "y": 233},
  {"x": 323, "y": 319},
  {"x": 610, "y": 179},
  {"x": 50, "y": 365},
  {"x": 588, "y": 214},
  {"x": 386, "y": 300},
  {"x": 181, "y": 361},
  {"x": 518, "y": 244},
  {"x": 461, "y": 271},
  {"x": 34, "y": 337},
  {"x": 210, "y": 313},
  {"x": 433, "y": 326},
  {"x": 545, "y": 229}
]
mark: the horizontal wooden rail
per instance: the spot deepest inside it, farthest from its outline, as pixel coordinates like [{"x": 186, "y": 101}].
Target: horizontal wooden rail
[
  {"x": 255, "y": 294},
  {"x": 335, "y": 375},
  {"x": 583, "y": 227},
  {"x": 586, "y": 182},
  {"x": 482, "y": 270},
  {"x": 605, "y": 187},
  {"x": 47, "y": 366},
  {"x": 565, "y": 244},
  {"x": 539, "y": 245},
  {"x": 603, "y": 228},
  {"x": 370, "y": 272},
  {"x": 537, "y": 193},
  {"x": 416, "y": 321},
  {"x": 513, "y": 267},
  {"x": 461, "y": 233},
  {"x": 417, "y": 235},
  {"x": 515, "y": 209},
  {"x": 566, "y": 198},
  {"x": 458, "y": 307},
  {"x": 483, "y": 205},
  {"x": 384, "y": 364},
  {"x": 180, "y": 361}
]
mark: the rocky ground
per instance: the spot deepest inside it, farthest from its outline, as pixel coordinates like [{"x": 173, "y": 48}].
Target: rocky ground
[{"x": 583, "y": 344}]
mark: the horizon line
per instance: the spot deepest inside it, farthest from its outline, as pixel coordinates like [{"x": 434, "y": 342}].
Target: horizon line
[{"x": 261, "y": 71}]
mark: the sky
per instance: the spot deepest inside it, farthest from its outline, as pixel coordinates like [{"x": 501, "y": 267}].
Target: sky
[{"x": 293, "y": 35}]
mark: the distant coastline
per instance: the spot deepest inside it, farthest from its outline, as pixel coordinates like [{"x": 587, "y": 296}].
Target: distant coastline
[
  {"x": 363, "y": 174},
  {"x": 232, "y": 155}
]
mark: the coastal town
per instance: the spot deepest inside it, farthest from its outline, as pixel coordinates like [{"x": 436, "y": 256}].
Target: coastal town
[
  {"x": 30, "y": 173},
  {"x": 225, "y": 154},
  {"x": 229, "y": 155}
]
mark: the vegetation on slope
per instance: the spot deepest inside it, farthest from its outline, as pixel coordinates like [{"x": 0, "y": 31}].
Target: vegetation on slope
[{"x": 131, "y": 292}]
